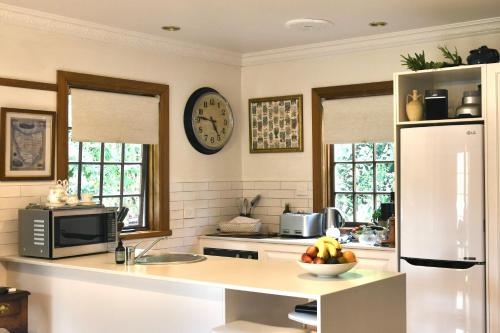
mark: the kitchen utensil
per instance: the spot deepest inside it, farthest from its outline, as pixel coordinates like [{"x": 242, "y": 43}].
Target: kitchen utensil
[
  {"x": 483, "y": 55},
  {"x": 254, "y": 203},
  {"x": 436, "y": 104},
  {"x": 244, "y": 208},
  {"x": 471, "y": 105},
  {"x": 326, "y": 270}
]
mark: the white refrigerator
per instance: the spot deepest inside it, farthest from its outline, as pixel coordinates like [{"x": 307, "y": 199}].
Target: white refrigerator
[{"x": 442, "y": 237}]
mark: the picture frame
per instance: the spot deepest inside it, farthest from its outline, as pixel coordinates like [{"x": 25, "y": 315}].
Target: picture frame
[
  {"x": 276, "y": 124},
  {"x": 27, "y": 144}
]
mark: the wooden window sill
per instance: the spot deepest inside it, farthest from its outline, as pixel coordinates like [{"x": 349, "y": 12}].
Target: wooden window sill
[{"x": 145, "y": 234}]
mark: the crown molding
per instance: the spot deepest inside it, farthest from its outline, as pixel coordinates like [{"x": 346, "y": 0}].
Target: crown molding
[
  {"x": 379, "y": 41},
  {"x": 88, "y": 30}
]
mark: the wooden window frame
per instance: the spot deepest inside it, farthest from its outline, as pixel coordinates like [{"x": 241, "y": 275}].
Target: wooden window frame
[
  {"x": 158, "y": 182},
  {"x": 320, "y": 151}
]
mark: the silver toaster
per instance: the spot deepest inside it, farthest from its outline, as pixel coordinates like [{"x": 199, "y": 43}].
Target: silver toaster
[{"x": 301, "y": 224}]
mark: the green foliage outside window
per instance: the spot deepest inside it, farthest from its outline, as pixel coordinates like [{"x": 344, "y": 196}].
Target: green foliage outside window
[
  {"x": 112, "y": 172},
  {"x": 363, "y": 178}
]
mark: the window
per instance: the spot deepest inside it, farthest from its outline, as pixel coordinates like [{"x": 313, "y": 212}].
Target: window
[
  {"x": 115, "y": 173},
  {"x": 362, "y": 178},
  {"x": 75, "y": 158}
]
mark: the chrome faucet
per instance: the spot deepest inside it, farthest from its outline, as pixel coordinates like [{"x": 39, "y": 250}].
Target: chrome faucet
[{"x": 130, "y": 250}]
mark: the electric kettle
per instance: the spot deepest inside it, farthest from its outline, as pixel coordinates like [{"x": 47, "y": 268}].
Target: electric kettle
[{"x": 333, "y": 218}]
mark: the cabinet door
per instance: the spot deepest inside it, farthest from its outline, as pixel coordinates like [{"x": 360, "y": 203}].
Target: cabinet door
[
  {"x": 282, "y": 252},
  {"x": 492, "y": 188},
  {"x": 378, "y": 260}
]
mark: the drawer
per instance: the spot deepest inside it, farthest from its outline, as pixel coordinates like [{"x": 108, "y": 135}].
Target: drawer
[{"x": 10, "y": 308}]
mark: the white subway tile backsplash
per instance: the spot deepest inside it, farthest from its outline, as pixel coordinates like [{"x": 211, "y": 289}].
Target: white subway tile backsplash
[
  {"x": 232, "y": 202},
  {"x": 35, "y": 190},
  {"x": 212, "y": 202},
  {"x": 196, "y": 222},
  {"x": 279, "y": 194},
  {"x": 8, "y": 226},
  {"x": 218, "y": 186},
  {"x": 267, "y": 185},
  {"x": 8, "y": 237},
  {"x": 8, "y": 249},
  {"x": 17, "y": 202},
  {"x": 237, "y": 185},
  {"x": 266, "y": 202},
  {"x": 176, "y": 224},
  {"x": 176, "y": 205},
  {"x": 207, "y": 212},
  {"x": 235, "y": 194},
  {"x": 8, "y": 214},
  {"x": 191, "y": 187},
  {"x": 183, "y": 196},
  {"x": 175, "y": 187},
  {"x": 207, "y": 195},
  {"x": 196, "y": 204},
  {"x": 176, "y": 214}
]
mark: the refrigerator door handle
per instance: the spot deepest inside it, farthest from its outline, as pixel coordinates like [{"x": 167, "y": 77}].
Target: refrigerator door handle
[{"x": 441, "y": 263}]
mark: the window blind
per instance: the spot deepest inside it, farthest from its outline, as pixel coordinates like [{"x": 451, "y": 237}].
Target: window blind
[
  {"x": 363, "y": 119},
  {"x": 112, "y": 117}
]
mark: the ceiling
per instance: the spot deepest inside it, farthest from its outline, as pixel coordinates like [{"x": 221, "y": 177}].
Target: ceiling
[{"x": 254, "y": 25}]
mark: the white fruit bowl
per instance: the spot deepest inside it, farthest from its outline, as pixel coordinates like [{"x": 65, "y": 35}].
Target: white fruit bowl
[{"x": 326, "y": 270}]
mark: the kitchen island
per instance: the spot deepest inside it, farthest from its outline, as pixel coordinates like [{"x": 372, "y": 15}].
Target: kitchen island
[{"x": 93, "y": 294}]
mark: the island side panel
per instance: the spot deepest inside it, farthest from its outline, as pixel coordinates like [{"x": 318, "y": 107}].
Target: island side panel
[
  {"x": 260, "y": 308},
  {"x": 66, "y": 300},
  {"x": 375, "y": 307}
]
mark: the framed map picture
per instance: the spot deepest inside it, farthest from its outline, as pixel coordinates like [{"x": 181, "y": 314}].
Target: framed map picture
[
  {"x": 27, "y": 144},
  {"x": 275, "y": 124}
]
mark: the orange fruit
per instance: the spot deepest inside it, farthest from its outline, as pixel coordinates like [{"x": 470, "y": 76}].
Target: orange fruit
[{"x": 350, "y": 256}]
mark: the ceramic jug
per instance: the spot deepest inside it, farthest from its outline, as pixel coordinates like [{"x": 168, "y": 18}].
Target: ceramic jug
[{"x": 414, "y": 107}]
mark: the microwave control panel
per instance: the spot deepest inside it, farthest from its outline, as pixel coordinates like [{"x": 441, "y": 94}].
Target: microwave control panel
[{"x": 34, "y": 233}]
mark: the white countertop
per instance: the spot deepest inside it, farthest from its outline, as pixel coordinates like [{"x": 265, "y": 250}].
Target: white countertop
[
  {"x": 279, "y": 278},
  {"x": 297, "y": 241}
]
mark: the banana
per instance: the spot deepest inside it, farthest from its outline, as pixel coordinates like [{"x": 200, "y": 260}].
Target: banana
[
  {"x": 330, "y": 240},
  {"x": 332, "y": 250},
  {"x": 322, "y": 249}
]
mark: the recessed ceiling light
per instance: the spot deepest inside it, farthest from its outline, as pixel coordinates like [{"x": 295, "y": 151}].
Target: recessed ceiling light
[
  {"x": 377, "y": 24},
  {"x": 306, "y": 24},
  {"x": 171, "y": 28}
]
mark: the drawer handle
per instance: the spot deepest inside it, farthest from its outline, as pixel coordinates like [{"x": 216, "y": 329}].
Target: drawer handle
[{"x": 4, "y": 308}]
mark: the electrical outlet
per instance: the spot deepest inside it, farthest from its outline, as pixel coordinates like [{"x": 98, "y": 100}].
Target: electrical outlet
[
  {"x": 301, "y": 191},
  {"x": 189, "y": 213}
]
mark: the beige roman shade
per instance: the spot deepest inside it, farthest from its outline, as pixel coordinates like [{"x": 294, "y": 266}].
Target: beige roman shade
[
  {"x": 112, "y": 117},
  {"x": 361, "y": 119}
]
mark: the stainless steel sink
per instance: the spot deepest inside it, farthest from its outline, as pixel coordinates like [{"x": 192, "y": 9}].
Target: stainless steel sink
[{"x": 169, "y": 258}]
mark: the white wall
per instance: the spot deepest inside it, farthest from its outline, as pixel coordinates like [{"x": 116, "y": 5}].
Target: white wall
[
  {"x": 37, "y": 55},
  {"x": 299, "y": 77},
  {"x": 31, "y": 54}
]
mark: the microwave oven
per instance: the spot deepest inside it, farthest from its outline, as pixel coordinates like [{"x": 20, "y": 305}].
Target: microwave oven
[{"x": 67, "y": 231}]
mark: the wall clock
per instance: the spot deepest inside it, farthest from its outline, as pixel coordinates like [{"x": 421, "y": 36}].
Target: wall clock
[{"x": 208, "y": 121}]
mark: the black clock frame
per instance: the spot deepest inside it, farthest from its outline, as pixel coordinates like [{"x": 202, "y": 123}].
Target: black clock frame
[{"x": 188, "y": 116}]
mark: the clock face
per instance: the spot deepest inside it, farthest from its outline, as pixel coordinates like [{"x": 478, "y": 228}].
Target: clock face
[{"x": 208, "y": 120}]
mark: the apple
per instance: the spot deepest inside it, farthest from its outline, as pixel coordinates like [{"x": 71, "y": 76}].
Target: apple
[
  {"x": 306, "y": 258},
  {"x": 312, "y": 251},
  {"x": 319, "y": 260}
]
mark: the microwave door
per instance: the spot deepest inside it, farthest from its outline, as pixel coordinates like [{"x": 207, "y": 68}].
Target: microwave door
[{"x": 79, "y": 230}]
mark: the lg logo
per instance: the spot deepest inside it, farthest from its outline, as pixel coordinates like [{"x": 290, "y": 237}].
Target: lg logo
[{"x": 469, "y": 132}]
